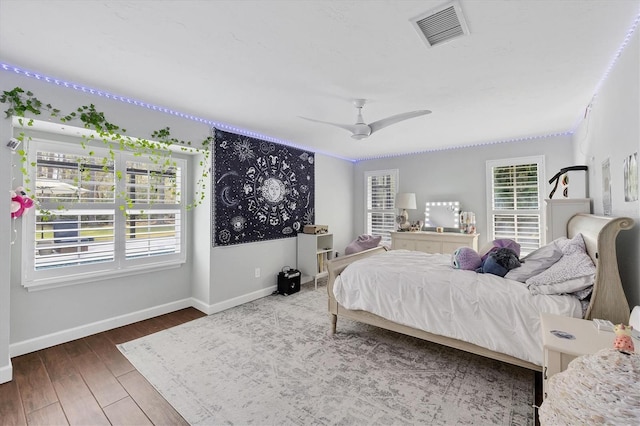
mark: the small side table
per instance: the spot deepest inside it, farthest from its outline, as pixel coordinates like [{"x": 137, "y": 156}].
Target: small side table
[{"x": 559, "y": 351}]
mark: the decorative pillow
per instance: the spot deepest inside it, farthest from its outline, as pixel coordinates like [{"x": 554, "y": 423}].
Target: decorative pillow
[
  {"x": 580, "y": 287},
  {"x": 363, "y": 242},
  {"x": 570, "y": 246},
  {"x": 465, "y": 258},
  {"x": 536, "y": 262},
  {"x": 573, "y": 272}
]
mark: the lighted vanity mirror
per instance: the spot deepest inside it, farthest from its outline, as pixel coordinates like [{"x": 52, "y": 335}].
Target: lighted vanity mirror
[{"x": 443, "y": 214}]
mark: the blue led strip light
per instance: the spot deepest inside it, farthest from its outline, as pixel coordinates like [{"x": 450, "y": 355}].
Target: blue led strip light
[
  {"x": 449, "y": 148},
  {"x": 233, "y": 129},
  {"x": 616, "y": 56},
  {"x": 89, "y": 90}
]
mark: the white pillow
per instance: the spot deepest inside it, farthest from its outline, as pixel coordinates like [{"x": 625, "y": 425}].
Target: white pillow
[
  {"x": 570, "y": 246},
  {"x": 573, "y": 272},
  {"x": 536, "y": 262},
  {"x": 575, "y": 285}
]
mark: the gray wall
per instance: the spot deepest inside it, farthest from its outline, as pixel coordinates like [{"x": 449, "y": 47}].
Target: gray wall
[
  {"x": 459, "y": 174},
  {"x": 213, "y": 278},
  {"x": 232, "y": 268},
  {"x": 217, "y": 278},
  {"x": 42, "y": 317},
  {"x": 611, "y": 131}
]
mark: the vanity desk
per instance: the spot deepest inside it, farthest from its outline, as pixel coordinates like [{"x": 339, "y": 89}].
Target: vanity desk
[{"x": 433, "y": 242}]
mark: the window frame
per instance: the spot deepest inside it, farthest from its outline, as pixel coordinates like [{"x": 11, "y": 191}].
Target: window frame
[
  {"x": 44, "y": 138},
  {"x": 394, "y": 173},
  {"x": 539, "y": 160}
]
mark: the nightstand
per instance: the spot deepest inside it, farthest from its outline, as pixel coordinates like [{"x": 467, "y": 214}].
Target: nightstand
[{"x": 559, "y": 351}]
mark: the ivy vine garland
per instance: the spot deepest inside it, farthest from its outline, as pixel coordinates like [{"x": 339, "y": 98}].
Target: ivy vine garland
[{"x": 22, "y": 103}]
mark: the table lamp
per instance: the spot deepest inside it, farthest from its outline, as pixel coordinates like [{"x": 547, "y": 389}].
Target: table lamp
[{"x": 404, "y": 201}]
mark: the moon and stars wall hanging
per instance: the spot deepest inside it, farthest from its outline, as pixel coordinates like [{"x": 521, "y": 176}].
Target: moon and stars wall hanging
[{"x": 261, "y": 190}]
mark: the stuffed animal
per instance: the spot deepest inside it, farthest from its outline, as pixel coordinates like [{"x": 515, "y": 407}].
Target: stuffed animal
[
  {"x": 497, "y": 258},
  {"x": 499, "y": 262},
  {"x": 497, "y": 244},
  {"x": 19, "y": 202},
  {"x": 465, "y": 258},
  {"x": 623, "y": 341}
]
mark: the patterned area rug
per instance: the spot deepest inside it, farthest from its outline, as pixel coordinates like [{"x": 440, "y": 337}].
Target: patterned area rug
[{"x": 271, "y": 362}]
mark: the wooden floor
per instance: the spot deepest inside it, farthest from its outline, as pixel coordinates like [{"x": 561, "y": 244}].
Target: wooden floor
[{"x": 88, "y": 382}]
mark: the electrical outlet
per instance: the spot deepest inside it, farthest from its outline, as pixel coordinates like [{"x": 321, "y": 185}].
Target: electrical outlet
[{"x": 257, "y": 273}]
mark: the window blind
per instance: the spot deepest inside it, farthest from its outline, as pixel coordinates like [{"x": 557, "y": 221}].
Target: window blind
[
  {"x": 515, "y": 211},
  {"x": 381, "y": 188},
  {"x": 100, "y": 212}
]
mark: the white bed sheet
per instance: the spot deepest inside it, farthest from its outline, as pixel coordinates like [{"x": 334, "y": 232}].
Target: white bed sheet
[{"x": 423, "y": 291}]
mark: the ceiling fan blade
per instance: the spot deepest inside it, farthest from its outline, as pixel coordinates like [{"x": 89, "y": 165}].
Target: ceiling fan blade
[
  {"x": 350, "y": 127},
  {"x": 381, "y": 124}
]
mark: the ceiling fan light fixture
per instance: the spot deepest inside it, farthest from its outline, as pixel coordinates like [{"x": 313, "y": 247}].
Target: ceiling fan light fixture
[{"x": 361, "y": 130}]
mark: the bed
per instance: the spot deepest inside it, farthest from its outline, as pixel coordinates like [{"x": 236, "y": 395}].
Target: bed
[{"x": 523, "y": 345}]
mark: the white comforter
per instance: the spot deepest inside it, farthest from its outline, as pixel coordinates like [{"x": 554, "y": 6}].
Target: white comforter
[{"x": 423, "y": 291}]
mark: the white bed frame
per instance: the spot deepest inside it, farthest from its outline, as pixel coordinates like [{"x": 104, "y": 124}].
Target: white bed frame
[{"x": 608, "y": 300}]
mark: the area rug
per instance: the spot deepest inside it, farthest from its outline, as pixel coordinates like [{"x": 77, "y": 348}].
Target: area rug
[{"x": 271, "y": 362}]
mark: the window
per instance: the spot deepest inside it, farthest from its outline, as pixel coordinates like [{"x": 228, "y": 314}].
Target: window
[
  {"x": 380, "y": 191},
  {"x": 104, "y": 214},
  {"x": 515, "y": 208}
]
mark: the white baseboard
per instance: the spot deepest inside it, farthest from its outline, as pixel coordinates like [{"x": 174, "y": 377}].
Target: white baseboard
[
  {"x": 37, "y": 343},
  {"x": 236, "y": 301},
  {"x": 42, "y": 342},
  {"x": 6, "y": 373},
  {"x": 200, "y": 305}
]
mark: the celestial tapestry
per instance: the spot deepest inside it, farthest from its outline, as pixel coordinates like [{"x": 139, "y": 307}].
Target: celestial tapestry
[{"x": 261, "y": 190}]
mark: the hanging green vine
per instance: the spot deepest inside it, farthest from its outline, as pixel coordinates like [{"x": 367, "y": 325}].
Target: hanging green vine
[{"x": 22, "y": 103}]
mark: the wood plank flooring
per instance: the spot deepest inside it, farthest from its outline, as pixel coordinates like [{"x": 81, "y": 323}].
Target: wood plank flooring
[{"x": 89, "y": 382}]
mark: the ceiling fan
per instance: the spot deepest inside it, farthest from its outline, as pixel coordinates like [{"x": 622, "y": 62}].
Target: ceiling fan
[{"x": 361, "y": 130}]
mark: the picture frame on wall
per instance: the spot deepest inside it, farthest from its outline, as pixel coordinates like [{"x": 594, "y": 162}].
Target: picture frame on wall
[
  {"x": 606, "y": 187},
  {"x": 631, "y": 177}
]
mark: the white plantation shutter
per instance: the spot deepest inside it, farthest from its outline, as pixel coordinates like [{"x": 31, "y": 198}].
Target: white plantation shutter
[
  {"x": 69, "y": 239},
  {"x": 152, "y": 233},
  {"x": 153, "y": 227},
  {"x": 380, "y": 192},
  {"x": 100, "y": 213},
  {"x": 515, "y": 210},
  {"x": 77, "y": 194}
]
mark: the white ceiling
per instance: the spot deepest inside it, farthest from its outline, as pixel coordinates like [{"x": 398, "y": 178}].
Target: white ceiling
[{"x": 528, "y": 67}]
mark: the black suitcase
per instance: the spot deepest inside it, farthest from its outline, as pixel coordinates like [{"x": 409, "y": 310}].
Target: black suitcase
[{"x": 289, "y": 282}]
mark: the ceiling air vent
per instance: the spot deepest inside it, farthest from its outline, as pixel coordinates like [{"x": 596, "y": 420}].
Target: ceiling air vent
[{"x": 441, "y": 25}]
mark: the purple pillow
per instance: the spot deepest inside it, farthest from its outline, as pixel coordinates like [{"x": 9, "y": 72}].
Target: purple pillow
[{"x": 363, "y": 242}]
